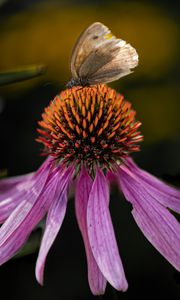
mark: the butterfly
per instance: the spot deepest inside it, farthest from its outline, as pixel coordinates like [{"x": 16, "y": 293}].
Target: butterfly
[{"x": 99, "y": 57}]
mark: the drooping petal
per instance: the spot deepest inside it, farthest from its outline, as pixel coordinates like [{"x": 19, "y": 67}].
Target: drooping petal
[
  {"x": 54, "y": 221},
  {"x": 97, "y": 282},
  {"x": 101, "y": 234},
  {"x": 9, "y": 189},
  {"x": 28, "y": 189},
  {"x": 158, "y": 225},
  {"x": 11, "y": 182},
  {"x": 27, "y": 215},
  {"x": 165, "y": 194},
  {"x": 111, "y": 178}
]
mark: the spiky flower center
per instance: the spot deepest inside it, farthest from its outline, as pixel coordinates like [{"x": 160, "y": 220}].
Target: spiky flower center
[{"x": 91, "y": 126}]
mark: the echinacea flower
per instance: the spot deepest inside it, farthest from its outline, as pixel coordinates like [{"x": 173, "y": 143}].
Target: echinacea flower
[{"x": 88, "y": 134}]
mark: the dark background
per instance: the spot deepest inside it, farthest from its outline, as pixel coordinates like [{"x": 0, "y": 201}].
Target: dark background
[{"x": 35, "y": 32}]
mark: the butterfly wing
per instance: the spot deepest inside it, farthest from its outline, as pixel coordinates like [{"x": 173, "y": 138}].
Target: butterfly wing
[
  {"x": 123, "y": 59},
  {"x": 89, "y": 40},
  {"x": 101, "y": 57}
]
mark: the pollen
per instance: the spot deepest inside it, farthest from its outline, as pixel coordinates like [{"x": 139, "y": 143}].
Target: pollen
[{"x": 93, "y": 126}]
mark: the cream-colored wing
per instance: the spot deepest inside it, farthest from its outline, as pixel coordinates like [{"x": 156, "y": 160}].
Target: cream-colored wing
[
  {"x": 123, "y": 58},
  {"x": 89, "y": 41}
]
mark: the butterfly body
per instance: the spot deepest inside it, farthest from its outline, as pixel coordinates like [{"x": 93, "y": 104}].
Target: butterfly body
[
  {"x": 79, "y": 81},
  {"x": 99, "y": 57}
]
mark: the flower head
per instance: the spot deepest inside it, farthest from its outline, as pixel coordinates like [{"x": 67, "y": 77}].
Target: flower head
[
  {"x": 90, "y": 126},
  {"x": 88, "y": 134}
]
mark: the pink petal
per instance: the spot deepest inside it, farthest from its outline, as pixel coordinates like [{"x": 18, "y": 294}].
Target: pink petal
[
  {"x": 54, "y": 221},
  {"x": 101, "y": 234},
  {"x": 156, "y": 222},
  {"x": 27, "y": 215},
  {"x": 97, "y": 282},
  {"x": 11, "y": 182},
  {"x": 9, "y": 189},
  {"x": 111, "y": 177},
  {"x": 28, "y": 188},
  {"x": 165, "y": 194}
]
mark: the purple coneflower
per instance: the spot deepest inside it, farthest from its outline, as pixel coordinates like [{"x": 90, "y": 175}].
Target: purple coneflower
[{"x": 88, "y": 134}]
